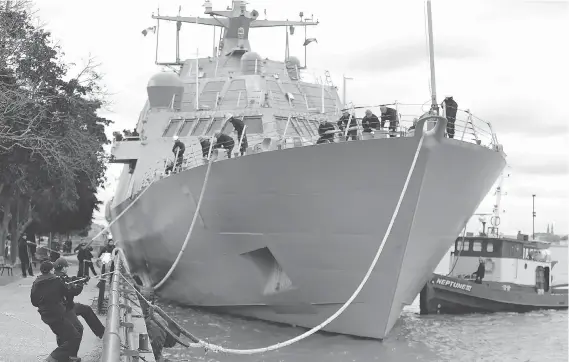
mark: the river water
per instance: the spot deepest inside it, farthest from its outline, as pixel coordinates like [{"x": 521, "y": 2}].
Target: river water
[{"x": 503, "y": 337}]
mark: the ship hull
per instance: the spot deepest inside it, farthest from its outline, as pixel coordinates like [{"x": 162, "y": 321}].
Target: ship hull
[
  {"x": 288, "y": 235},
  {"x": 447, "y": 295}
]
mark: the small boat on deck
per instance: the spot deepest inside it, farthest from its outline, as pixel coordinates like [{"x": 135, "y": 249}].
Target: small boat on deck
[{"x": 510, "y": 275}]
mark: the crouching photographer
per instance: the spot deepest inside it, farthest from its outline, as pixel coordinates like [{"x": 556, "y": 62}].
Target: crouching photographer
[{"x": 74, "y": 286}]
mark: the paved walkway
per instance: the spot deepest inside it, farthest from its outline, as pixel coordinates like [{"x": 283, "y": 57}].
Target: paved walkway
[{"x": 23, "y": 336}]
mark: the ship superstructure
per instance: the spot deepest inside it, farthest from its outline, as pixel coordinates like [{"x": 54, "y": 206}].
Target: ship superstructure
[{"x": 286, "y": 232}]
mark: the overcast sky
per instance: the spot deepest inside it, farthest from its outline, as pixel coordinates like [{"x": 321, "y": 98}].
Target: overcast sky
[{"x": 506, "y": 61}]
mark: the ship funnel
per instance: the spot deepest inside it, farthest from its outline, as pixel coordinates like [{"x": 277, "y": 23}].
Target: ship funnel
[{"x": 162, "y": 88}]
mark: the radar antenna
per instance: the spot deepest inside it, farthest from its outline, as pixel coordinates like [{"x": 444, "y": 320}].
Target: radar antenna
[{"x": 235, "y": 22}]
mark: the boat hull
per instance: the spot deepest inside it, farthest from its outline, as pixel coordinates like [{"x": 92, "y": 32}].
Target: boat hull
[
  {"x": 288, "y": 235},
  {"x": 448, "y": 295}
]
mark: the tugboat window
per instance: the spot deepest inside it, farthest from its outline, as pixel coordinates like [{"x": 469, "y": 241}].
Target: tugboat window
[
  {"x": 463, "y": 246},
  {"x": 477, "y": 246},
  {"x": 489, "y": 247}
]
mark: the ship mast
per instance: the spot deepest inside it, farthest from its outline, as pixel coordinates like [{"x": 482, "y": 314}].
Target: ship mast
[
  {"x": 434, "y": 104},
  {"x": 235, "y": 23}
]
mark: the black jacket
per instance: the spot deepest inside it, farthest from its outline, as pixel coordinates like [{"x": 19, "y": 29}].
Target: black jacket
[
  {"x": 107, "y": 249},
  {"x": 48, "y": 295},
  {"x": 23, "y": 249},
  {"x": 179, "y": 145},
  {"x": 71, "y": 289},
  {"x": 343, "y": 121},
  {"x": 224, "y": 141},
  {"x": 451, "y": 107},
  {"x": 325, "y": 127},
  {"x": 238, "y": 125},
  {"x": 205, "y": 143},
  {"x": 370, "y": 122},
  {"x": 389, "y": 115}
]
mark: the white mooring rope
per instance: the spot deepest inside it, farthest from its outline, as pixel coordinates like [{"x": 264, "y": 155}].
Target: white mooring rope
[
  {"x": 189, "y": 235},
  {"x": 217, "y": 348}
]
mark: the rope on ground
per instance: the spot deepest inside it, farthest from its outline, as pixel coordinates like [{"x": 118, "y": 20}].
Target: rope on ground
[
  {"x": 189, "y": 235},
  {"x": 217, "y": 348}
]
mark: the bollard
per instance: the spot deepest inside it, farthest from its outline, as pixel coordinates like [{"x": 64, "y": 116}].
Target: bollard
[
  {"x": 143, "y": 342},
  {"x": 101, "y": 285}
]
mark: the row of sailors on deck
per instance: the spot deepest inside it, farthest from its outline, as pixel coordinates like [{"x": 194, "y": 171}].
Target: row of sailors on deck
[
  {"x": 370, "y": 123},
  {"x": 222, "y": 141}
]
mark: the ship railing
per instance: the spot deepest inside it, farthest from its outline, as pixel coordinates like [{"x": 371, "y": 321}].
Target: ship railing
[{"x": 467, "y": 128}]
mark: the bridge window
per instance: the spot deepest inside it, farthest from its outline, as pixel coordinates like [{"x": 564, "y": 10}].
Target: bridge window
[
  {"x": 489, "y": 247},
  {"x": 463, "y": 245},
  {"x": 186, "y": 127},
  {"x": 254, "y": 124},
  {"x": 477, "y": 246},
  {"x": 200, "y": 127},
  {"x": 215, "y": 126},
  {"x": 303, "y": 123},
  {"x": 172, "y": 127}
]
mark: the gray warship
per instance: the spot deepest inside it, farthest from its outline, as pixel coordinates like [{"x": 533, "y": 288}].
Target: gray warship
[{"x": 286, "y": 232}]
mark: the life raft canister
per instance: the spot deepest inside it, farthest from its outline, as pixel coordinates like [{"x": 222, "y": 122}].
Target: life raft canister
[{"x": 489, "y": 265}]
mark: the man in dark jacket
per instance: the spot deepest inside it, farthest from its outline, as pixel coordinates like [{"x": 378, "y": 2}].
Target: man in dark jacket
[
  {"x": 326, "y": 132},
  {"x": 343, "y": 123},
  {"x": 451, "y": 108},
  {"x": 481, "y": 271},
  {"x": 239, "y": 127},
  {"x": 88, "y": 261},
  {"x": 178, "y": 150},
  {"x": 370, "y": 122},
  {"x": 225, "y": 142},
  {"x": 48, "y": 295},
  {"x": 24, "y": 255},
  {"x": 389, "y": 114},
  {"x": 75, "y": 287},
  {"x": 205, "y": 144},
  {"x": 81, "y": 258}
]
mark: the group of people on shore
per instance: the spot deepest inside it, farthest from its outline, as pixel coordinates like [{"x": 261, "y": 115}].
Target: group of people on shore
[{"x": 53, "y": 295}]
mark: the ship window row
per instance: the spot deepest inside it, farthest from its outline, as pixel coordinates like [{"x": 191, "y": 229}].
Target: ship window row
[
  {"x": 207, "y": 126},
  {"x": 297, "y": 126},
  {"x": 475, "y": 246}
]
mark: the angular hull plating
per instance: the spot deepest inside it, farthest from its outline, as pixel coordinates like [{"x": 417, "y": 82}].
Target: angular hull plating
[{"x": 288, "y": 235}]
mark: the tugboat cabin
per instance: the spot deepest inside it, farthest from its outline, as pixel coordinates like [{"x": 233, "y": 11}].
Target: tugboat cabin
[{"x": 506, "y": 260}]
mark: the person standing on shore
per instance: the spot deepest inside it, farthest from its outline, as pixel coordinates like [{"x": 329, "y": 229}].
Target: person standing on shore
[
  {"x": 48, "y": 295},
  {"x": 24, "y": 255}
]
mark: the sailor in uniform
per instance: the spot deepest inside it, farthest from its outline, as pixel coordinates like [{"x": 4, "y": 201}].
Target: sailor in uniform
[
  {"x": 326, "y": 132},
  {"x": 178, "y": 150},
  {"x": 370, "y": 122},
  {"x": 343, "y": 123},
  {"x": 451, "y": 107},
  {"x": 224, "y": 141},
  {"x": 389, "y": 114}
]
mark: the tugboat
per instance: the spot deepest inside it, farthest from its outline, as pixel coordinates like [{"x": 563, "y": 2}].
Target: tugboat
[{"x": 494, "y": 274}]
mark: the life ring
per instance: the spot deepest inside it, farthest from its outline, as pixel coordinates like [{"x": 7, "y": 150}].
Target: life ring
[
  {"x": 495, "y": 220},
  {"x": 489, "y": 265}
]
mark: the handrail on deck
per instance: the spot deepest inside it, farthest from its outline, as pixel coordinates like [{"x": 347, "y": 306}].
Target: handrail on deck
[{"x": 119, "y": 341}]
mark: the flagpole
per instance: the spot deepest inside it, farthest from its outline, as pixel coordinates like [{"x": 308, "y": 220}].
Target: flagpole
[
  {"x": 197, "y": 76},
  {"x": 157, "y": 37}
]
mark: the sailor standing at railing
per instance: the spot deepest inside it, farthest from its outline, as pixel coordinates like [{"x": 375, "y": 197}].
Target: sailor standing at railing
[
  {"x": 370, "y": 122},
  {"x": 389, "y": 114},
  {"x": 451, "y": 108},
  {"x": 205, "y": 144},
  {"x": 353, "y": 123},
  {"x": 239, "y": 127},
  {"x": 326, "y": 131},
  {"x": 178, "y": 150}
]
